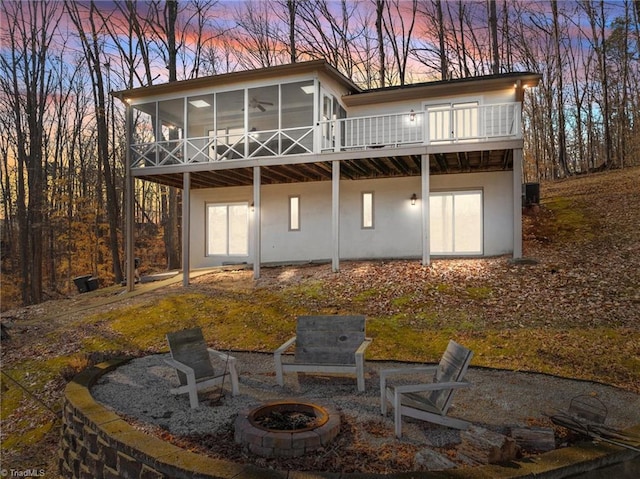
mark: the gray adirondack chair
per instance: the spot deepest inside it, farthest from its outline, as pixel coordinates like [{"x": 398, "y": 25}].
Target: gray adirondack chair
[
  {"x": 326, "y": 344},
  {"x": 193, "y": 362},
  {"x": 430, "y": 400}
]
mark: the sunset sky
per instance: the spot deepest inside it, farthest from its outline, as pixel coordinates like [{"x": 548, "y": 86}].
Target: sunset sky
[{"x": 225, "y": 33}]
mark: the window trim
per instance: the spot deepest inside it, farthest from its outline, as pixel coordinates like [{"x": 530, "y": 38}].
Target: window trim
[
  {"x": 207, "y": 230},
  {"x": 291, "y": 218},
  {"x": 363, "y": 225},
  {"x": 453, "y": 193}
]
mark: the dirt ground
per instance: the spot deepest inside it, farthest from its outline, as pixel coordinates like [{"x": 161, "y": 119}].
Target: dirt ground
[{"x": 585, "y": 272}]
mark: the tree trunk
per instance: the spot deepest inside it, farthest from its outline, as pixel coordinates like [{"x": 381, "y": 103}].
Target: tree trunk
[
  {"x": 92, "y": 51},
  {"x": 26, "y": 91},
  {"x": 172, "y": 239},
  {"x": 400, "y": 37},
  {"x": 444, "y": 63},
  {"x": 493, "y": 28},
  {"x": 562, "y": 142},
  {"x": 291, "y": 8}
]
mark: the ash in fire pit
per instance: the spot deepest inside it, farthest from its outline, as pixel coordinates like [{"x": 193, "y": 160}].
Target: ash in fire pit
[
  {"x": 287, "y": 428},
  {"x": 287, "y": 421}
]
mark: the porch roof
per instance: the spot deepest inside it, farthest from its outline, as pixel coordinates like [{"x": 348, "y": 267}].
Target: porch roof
[
  {"x": 277, "y": 71},
  {"x": 443, "y": 88}
]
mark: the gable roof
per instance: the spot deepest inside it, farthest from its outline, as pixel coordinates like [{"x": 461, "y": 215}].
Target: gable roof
[{"x": 278, "y": 71}]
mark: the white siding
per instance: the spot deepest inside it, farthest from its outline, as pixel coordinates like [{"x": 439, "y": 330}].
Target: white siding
[
  {"x": 396, "y": 231},
  {"x": 313, "y": 240},
  {"x": 490, "y": 97},
  {"x": 397, "y": 223}
]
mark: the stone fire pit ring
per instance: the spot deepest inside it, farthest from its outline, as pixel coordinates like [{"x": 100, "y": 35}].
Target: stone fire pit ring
[{"x": 267, "y": 442}]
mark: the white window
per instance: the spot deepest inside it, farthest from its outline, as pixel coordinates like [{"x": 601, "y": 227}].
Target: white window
[
  {"x": 227, "y": 229},
  {"x": 294, "y": 213},
  {"x": 367, "y": 210},
  {"x": 456, "y": 223}
]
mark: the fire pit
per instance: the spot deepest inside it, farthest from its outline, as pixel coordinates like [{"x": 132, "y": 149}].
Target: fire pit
[{"x": 286, "y": 428}]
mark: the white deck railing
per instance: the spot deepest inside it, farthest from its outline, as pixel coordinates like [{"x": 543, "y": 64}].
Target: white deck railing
[
  {"x": 437, "y": 125},
  {"x": 433, "y": 126}
]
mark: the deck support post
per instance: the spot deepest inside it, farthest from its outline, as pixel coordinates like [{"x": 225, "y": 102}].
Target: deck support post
[
  {"x": 517, "y": 203},
  {"x": 335, "y": 216},
  {"x": 186, "y": 226},
  {"x": 129, "y": 202},
  {"x": 257, "y": 222},
  {"x": 426, "y": 237}
]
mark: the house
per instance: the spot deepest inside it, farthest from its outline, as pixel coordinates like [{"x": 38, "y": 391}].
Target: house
[{"x": 297, "y": 163}]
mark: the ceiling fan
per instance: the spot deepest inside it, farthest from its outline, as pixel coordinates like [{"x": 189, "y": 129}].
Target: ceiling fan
[{"x": 257, "y": 104}]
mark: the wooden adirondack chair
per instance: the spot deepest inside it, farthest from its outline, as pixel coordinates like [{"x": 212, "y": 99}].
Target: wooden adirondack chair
[
  {"x": 428, "y": 401},
  {"x": 193, "y": 363},
  {"x": 326, "y": 344}
]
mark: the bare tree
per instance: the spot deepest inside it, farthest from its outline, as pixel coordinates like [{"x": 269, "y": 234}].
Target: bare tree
[
  {"x": 493, "y": 30},
  {"x": 444, "y": 63},
  {"x": 597, "y": 23},
  {"x": 203, "y": 30},
  {"x": 8, "y": 173},
  {"x": 164, "y": 20},
  {"x": 636, "y": 22},
  {"x": 562, "y": 141},
  {"x": 578, "y": 64},
  {"x": 325, "y": 30},
  {"x": 399, "y": 24},
  {"x": 92, "y": 48},
  {"x": 292, "y": 10},
  {"x": 459, "y": 45},
  {"x": 507, "y": 51},
  {"x": 258, "y": 34},
  {"x": 380, "y": 7},
  {"x": 533, "y": 52},
  {"x": 620, "y": 65},
  {"x": 60, "y": 170},
  {"x": 27, "y": 84},
  {"x": 134, "y": 55}
]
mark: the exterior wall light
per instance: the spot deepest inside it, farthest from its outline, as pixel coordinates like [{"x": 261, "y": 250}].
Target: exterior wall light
[
  {"x": 412, "y": 115},
  {"x": 414, "y": 197}
]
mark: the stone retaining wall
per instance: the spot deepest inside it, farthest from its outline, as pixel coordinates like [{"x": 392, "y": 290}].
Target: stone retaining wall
[{"x": 97, "y": 444}]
